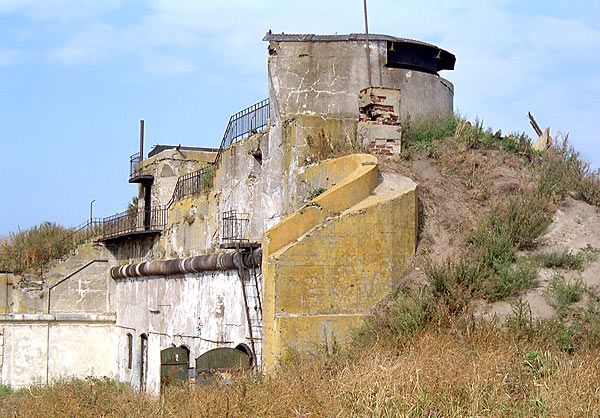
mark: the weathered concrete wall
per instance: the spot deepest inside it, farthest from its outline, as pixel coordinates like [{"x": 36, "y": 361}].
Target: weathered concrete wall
[
  {"x": 7, "y": 281},
  {"x": 86, "y": 291},
  {"x": 379, "y": 129},
  {"x": 201, "y": 311},
  {"x": 327, "y": 264},
  {"x": 267, "y": 190},
  {"x": 38, "y": 348},
  {"x": 326, "y": 78},
  {"x": 77, "y": 283},
  {"x": 167, "y": 166}
]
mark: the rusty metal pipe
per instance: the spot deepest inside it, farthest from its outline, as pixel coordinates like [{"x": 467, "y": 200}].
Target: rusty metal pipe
[{"x": 195, "y": 264}]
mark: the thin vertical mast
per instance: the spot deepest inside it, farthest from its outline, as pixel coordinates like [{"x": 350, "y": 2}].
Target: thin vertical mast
[{"x": 368, "y": 46}]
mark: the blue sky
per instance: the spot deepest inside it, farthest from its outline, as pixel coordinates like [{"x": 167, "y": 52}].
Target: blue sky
[{"x": 76, "y": 76}]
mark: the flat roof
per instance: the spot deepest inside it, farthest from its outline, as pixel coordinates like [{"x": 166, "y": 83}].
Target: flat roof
[
  {"x": 300, "y": 37},
  {"x": 161, "y": 148},
  {"x": 402, "y": 52}
]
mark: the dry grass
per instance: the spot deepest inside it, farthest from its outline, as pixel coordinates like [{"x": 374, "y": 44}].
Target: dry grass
[
  {"x": 445, "y": 372},
  {"x": 35, "y": 246}
]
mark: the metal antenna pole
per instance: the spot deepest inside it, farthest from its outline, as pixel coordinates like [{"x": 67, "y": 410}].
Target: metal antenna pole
[
  {"x": 141, "y": 142},
  {"x": 368, "y": 47},
  {"x": 91, "y": 208}
]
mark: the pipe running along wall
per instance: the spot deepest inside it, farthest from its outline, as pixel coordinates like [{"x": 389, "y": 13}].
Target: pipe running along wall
[{"x": 193, "y": 264}]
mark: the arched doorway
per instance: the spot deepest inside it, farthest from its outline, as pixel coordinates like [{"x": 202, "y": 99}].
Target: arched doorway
[
  {"x": 245, "y": 349},
  {"x": 174, "y": 364}
]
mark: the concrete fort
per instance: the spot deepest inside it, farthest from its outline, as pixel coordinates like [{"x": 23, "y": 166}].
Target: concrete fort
[{"x": 283, "y": 237}]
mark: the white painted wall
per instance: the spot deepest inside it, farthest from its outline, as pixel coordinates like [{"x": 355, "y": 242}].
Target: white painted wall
[
  {"x": 41, "y": 347},
  {"x": 201, "y": 311}
]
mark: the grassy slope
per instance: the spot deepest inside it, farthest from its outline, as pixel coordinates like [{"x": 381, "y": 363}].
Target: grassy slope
[{"x": 485, "y": 197}]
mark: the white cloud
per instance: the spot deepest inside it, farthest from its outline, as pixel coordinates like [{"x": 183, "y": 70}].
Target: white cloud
[
  {"x": 97, "y": 42},
  {"x": 9, "y": 57},
  {"x": 166, "y": 64},
  {"x": 59, "y": 10}
]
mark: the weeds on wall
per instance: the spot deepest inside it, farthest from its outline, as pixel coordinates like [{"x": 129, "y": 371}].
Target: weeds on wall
[
  {"x": 315, "y": 193},
  {"x": 207, "y": 178}
]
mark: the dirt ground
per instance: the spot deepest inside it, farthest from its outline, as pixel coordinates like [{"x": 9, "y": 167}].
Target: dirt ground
[
  {"x": 456, "y": 190},
  {"x": 460, "y": 187},
  {"x": 575, "y": 227}
]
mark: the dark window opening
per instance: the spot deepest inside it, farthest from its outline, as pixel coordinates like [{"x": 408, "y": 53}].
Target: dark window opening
[
  {"x": 129, "y": 351},
  {"x": 143, "y": 361}
]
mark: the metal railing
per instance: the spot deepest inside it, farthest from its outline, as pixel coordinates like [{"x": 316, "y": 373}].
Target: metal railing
[
  {"x": 134, "y": 165},
  {"x": 193, "y": 183},
  {"x": 234, "y": 226},
  {"x": 246, "y": 122},
  {"x": 135, "y": 220}
]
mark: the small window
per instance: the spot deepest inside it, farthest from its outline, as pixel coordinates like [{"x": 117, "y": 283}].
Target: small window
[{"x": 129, "y": 350}]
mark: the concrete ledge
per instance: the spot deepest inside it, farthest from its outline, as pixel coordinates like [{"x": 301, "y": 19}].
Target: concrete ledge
[
  {"x": 359, "y": 178},
  {"x": 59, "y": 317}
]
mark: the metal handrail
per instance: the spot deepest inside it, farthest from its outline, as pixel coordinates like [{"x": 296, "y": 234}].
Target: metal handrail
[
  {"x": 134, "y": 164},
  {"x": 135, "y": 220},
  {"x": 192, "y": 183},
  {"x": 244, "y": 123}
]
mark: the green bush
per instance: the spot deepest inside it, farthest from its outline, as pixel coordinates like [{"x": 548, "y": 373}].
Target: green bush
[
  {"x": 5, "y": 390},
  {"x": 524, "y": 220},
  {"x": 426, "y": 133},
  {"x": 496, "y": 243},
  {"x": 454, "y": 283},
  {"x": 562, "y": 294},
  {"x": 560, "y": 259},
  {"x": 407, "y": 313},
  {"x": 510, "y": 280}
]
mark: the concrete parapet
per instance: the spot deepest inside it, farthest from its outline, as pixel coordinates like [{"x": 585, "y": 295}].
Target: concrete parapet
[{"x": 325, "y": 266}]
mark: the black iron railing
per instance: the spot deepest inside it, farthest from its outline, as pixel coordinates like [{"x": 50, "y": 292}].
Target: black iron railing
[
  {"x": 135, "y": 220},
  {"x": 247, "y": 122},
  {"x": 134, "y": 165},
  {"x": 244, "y": 123},
  {"x": 234, "y": 226},
  {"x": 88, "y": 229},
  {"x": 193, "y": 183}
]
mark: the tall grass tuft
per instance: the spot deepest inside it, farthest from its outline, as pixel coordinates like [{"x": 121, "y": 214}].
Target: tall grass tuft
[
  {"x": 34, "y": 247},
  {"x": 562, "y": 172}
]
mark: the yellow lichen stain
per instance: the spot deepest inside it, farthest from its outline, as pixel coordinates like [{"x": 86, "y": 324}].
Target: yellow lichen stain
[{"x": 327, "y": 264}]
